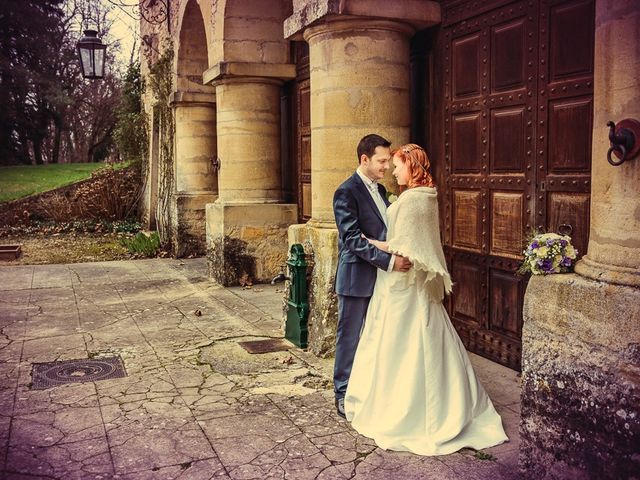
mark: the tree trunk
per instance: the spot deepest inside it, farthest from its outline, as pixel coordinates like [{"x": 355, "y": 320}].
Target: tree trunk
[
  {"x": 23, "y": 154},
  {"x": 37, "y": 151},
  {"x": 55, "y": 154}
]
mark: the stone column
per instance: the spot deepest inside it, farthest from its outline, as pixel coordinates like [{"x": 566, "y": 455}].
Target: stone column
[
  {"x": 247, "y": 225},
  {"x": 360, "y": 83},
  {"x": 249, "y": 133},
  {"x": 196, "y": 182},
  {"x": 581, "y": 336},
  {"x": 613, "y": 254}
]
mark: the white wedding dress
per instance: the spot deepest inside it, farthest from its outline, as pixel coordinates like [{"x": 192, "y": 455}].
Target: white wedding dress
[{"x": 412, "y": 387}]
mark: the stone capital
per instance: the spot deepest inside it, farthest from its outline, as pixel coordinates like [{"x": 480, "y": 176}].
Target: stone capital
[
  {"x": 187, "y": 99},
  {"x": 345, "y": 24},
  {"x": 417, "y": 14},
  {"x": 265, "y": 72}
]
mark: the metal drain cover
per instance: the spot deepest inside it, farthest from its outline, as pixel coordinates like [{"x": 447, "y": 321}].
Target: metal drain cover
[
  {"x": 52, "y": 374},
  {"x": 266, "y": 346}
]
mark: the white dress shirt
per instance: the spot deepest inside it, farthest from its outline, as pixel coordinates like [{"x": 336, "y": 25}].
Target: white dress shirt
[{"x": 372, "y": 187}]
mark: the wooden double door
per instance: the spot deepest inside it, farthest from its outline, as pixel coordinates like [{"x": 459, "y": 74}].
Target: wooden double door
[
  {"x": 516, "y": 120},
  {"x": 297, "y": 127}
]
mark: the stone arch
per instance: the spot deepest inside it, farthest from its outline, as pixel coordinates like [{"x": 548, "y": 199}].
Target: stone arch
[
  {"x": 250, "y": 31},
  {"x": 192, "y": 52},
  {"x": 195, "y": 139}
]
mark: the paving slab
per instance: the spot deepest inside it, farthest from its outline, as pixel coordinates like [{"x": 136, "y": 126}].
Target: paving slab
[
  {"x": 21, "y": 278},
  {"x": 194, "y": 403}
]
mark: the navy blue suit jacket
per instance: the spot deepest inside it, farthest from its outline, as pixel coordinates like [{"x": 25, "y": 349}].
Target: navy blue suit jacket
[{"x": 356, "y": 214}]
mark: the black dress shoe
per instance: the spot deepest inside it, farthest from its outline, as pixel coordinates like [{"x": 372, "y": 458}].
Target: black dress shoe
[{"x": 340, "y": 407}]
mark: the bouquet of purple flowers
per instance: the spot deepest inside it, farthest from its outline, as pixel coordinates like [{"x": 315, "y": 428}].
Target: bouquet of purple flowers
[{"x": 549, "y": 253}]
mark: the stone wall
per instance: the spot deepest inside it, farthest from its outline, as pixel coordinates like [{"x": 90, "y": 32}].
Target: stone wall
[
  {"x": 188, "y": 232},
  {"x": 247, "y": 243},
  {"x": 581, "y": 379},
  {"x": 320, "y": 247}
]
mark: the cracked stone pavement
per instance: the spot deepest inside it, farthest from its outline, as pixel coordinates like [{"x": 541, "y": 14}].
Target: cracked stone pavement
[{"x": 194, "y": 404}]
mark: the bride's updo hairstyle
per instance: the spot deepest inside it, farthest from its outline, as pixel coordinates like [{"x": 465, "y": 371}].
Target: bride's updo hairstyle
[{"x": 418, "y": 164}]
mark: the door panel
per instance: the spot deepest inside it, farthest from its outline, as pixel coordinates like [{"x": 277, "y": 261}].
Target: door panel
[
  {"x": 305, "y": 146},
  {"x": 507, "y": 212},
  {"x": 466, "y": 142},
  {"x": 505, "y": 306},
  {"x": 508, "y": 50},
  {"x": 507, "y": 129},
  {"x": 570, "y": 134},
  {"x": 568, "y": 208},
  {"x": 467, "y": 298},
  {"x": 466, "y": 54},
  {"x": 467, "y": 206},
  {"x": 518, "y": 101},
  {"x": 571, "y": 30}
]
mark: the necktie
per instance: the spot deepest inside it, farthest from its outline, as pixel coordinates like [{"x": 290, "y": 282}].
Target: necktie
[{"x": 375, "y": 194}]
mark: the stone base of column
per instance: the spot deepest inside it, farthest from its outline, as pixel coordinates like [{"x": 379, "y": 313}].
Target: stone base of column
[
  {"x": 322, "y": 246},
  {"x": 580, "y": 379},
  {"x": 608, "y": 273},
  {"x": 188, "y": 223},
  {"x": 247, "y": 242}
]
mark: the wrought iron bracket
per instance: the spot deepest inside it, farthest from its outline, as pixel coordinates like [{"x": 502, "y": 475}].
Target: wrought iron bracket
[
  {"x": 625, "y": 141},
  {"x": 156, "y": 12}
]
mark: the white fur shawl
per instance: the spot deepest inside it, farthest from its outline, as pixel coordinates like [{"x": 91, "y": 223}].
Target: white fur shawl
[{"x": 414, "y": 232}]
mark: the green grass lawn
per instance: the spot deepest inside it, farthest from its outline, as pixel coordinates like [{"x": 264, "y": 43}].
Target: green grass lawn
[{"x": 23, "y": 180}]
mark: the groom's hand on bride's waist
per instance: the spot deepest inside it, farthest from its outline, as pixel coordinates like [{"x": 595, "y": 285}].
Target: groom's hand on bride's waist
[{"x": 401, "y": 264}]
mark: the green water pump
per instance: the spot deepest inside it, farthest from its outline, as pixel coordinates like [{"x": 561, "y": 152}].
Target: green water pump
[{"x": 297, "y": 303}]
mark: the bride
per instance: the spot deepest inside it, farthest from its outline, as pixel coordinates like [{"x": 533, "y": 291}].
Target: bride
[{"x": 412, "y": 387}]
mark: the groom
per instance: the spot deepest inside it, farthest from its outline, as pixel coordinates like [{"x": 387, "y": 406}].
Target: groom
[{"x": 360, "y": 207}]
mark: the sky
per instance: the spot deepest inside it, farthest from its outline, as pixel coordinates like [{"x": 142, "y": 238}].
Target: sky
[{"x": 125, "y": 28}]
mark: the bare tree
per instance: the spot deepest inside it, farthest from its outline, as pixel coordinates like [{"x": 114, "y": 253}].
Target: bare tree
[{"x": 48, "y": 113}]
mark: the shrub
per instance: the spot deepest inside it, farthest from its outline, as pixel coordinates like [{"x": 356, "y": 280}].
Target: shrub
[
  {"x": 111, "y": 194},
  {"x": 143, "y": 244},
  {"x": 56, "y": 206}
]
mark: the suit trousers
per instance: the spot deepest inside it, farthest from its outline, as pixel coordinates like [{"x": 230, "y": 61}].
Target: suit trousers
[{"x": 351, "y": 315}]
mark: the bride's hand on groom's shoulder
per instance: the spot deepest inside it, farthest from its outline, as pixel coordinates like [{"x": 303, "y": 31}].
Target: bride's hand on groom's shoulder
[{"x": 377, "y": 243}]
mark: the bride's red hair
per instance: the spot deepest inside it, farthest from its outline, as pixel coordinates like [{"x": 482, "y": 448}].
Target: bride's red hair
[{"x": 417, "y": 163}]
